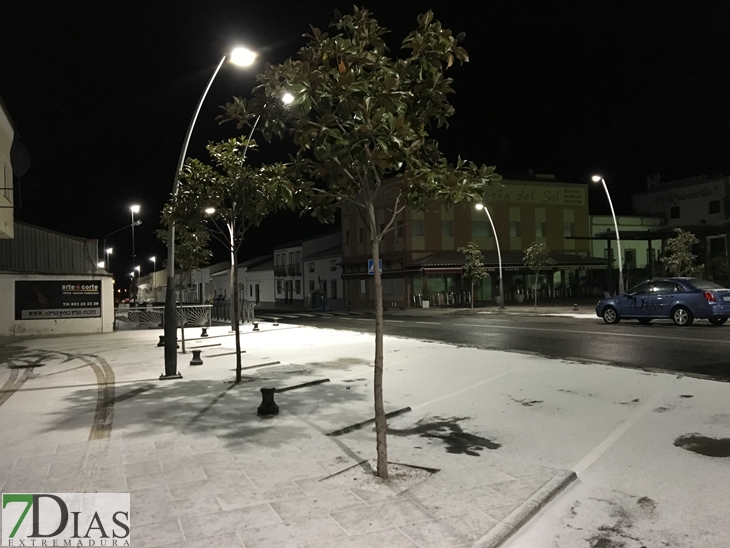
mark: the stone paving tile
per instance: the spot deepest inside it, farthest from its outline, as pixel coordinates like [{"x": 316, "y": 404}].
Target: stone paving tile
[
  {"x": 387, "y": 538},
  {"x": 240, "y": 498},
  {"x": 481, "y": 475},
  {"x": 459, "y": 502},
  {"x": 198, "y": 459},
  {"x": 208, "y": 487},
  {"x": 151, "y": 513},
  {"x": 229, "y": 540},
  {"x": 291, "y": 534},
  {"x": 22, "y": 468},
  {"x": 208, "y": 525},
  {"x": 500, "y": 512},
  {"x": 451, "y": 532},
  {"x": 167, "y": 453},
  {"x": 523, "y": 487},
  {"x": 381, "y": 516},
  {"x": 181, "y": 476},
  {"x": 303, "y": 507},
  {"x": 154, "y": 534}
]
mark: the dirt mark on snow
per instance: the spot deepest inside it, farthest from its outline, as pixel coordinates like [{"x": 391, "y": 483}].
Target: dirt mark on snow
[{"x": 450, "y": 432}]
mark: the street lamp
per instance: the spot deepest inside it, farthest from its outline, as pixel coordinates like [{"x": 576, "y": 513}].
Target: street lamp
[
  {"x": 499, "y": 254},
  {"x": 109, "y": 249},
  {"x": 134, "y": 209},
  {"x": 108, "y": 258},
  {"x": 154, "y": 268},
  {"x": 600, "y": 179},
  {"x": 241, "y": 57}
]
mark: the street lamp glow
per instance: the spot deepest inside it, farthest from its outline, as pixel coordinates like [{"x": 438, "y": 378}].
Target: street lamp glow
[
  {"x": 209, "y": 210},
  {"x": 243, "y": 57},
  {"x": 134, "y": 208},
  {"x": 137, "y": 268},
  {"x": 287, "y": 98},
  {"x": 100, "y": 264},
  {"x": 109, "y": 250},
  {"x": 481, "y": 206},
  {"x": 153, "y": 259},
  {"x": 600, "y": 179}
]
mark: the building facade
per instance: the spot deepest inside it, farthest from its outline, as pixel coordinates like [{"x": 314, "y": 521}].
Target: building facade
[
  {"x": 7, "y": 135},
  {"x": 420, "y": 256}
]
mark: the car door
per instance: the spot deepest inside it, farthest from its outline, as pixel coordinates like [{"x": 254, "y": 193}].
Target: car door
[
  {"x": 633, "y": 303},
  {"x": 662, "y": 295}
]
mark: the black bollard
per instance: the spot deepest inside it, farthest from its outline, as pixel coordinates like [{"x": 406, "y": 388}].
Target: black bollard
[
  {"x": 196, "y": 358},
  {"x": 205, "y": 332},
  {"x": 575, "y": 307},
  {"x": 268, "y": 405},
  {"x": 162, "y": 341},
  {"x": 255, "y": 326},
  {"x": 276, "y": 321}
]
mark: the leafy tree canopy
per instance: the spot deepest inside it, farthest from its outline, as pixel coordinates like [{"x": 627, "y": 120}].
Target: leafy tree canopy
[{"x": 678, "y": 258}]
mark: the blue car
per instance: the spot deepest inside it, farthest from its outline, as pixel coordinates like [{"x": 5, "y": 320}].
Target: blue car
[{"x": 680, "y": 299}]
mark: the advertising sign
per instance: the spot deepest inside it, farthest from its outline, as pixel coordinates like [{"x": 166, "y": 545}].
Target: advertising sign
[{"x": 57, "y": 300}]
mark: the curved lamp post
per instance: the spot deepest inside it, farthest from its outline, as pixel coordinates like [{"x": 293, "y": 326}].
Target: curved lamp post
[
  {"x": 499, "y": 254},
  {"x": 600, "y": 179},
  {"x": 108, "y": 250},
  {"x": 240, "y": 57}
]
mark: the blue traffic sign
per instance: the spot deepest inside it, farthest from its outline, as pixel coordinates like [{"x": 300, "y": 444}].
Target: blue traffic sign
[{"x": 371, "y": 269}]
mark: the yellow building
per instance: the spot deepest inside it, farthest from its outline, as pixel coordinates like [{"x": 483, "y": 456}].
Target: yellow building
[{"x": 422, "y": 248}]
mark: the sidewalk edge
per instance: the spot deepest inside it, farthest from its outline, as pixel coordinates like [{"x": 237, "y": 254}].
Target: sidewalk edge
[{"x": 523, "y": 513}]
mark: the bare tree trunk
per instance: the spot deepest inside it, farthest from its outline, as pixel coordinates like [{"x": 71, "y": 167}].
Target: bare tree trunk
[
  {"x": 236, "y": 314},
  {"x": 472, "y": 294},
  {"x": 233, "y": 282},
  {"x": 381, "y": 426}
]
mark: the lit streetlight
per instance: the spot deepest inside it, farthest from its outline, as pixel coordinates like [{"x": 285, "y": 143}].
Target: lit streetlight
[
  {"x": 108, "y": 250},
  {"x": 600, "y": 179},
  {"x": 154, "y": 268},
  {"x": 134, "y": 209},
  {"x": 499, "y": 253},
  {"x": 242, "y": 57}
]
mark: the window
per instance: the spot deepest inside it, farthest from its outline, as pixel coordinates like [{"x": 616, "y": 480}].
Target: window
[
  {"x": 642, "y": 289},
  {"x": 360, "y": 235},
  {"x": 539, "y": 229},
  {"x": 362, "y": 287},
  {"x": 333, "y": 264},
  {"x": 311, "y": 285},
  {"x": 674, "y": 212},
  {"x": 347, "y": 237},
  {"x": 481, "y": 229},
  {"x": 333, "y": 289},
  {"x": 630, "y": 257},
  {"x": 447, "y": 228},
  {"x": 417, "y": 228},
  {"x": 514, "y": 229},
  {"x": 663, "y": 288},
  {"x": 298, "y": 286},
  {"x": 250, "y": 291},
  {"x": 278, "y": 287},
  {"x": 568, "y": 230},
  {"x": 310, "y": 265},
  {"x": 715, "y": 206}
]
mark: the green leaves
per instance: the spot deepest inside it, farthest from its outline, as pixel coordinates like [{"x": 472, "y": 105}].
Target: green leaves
[
  {"x": 537, "y": 257},
  {"x": 474, "y": 266},
  {"x": 678, "y": 257}
]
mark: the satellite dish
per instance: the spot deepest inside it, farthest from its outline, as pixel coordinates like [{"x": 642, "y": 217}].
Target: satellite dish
[{"x": 19, "y": 157}]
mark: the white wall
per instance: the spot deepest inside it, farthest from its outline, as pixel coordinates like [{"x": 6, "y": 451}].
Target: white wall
[
  {"x": 10, "y": 326},
  {"x": 601, "y": 223},
  {"x": 266, "y": 283},
  {"x": 693, "y": 201},
  {"x": 324, "y": 273}
]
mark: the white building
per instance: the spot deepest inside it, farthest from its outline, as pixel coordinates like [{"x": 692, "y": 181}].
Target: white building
[
  {"x": 323, "y": 279},
  {"x": 638, "y": 249}
]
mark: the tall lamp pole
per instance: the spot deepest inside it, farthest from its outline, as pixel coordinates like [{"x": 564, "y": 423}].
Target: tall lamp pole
[
  {"x": 240, "y": 57},
  {"x": 600, "y": 179},
  {"x": 108, "y": 256},
  {"x": 499, "y": 253},
  {"x": 134, "y": 209},
  {"x": 154, "y": 269},
  {"x": 108, "y": 250}
]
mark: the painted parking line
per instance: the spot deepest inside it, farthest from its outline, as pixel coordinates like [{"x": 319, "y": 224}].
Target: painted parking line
[
  {"x": 395, "y": 321},
  {"x": 429, "y": 323},
  {"x": 609, "y": 334}
]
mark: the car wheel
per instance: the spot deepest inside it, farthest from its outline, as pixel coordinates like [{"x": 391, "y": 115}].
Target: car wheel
[
  {"x": 610, "y": 315},
  {"x": 682, "y": 316},
  {"x": 718, "y": 321},
  {"x": 645, "y": 321}
]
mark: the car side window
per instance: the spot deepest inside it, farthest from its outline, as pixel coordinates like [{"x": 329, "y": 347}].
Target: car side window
[
  {"x": 662, "y": 288},
  {"x": 642, "y": 289}
]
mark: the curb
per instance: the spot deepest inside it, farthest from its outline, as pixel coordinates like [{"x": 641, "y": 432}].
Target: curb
[{"x": 526, "y": 511}]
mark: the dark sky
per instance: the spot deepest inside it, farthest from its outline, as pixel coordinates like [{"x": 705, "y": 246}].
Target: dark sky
[{"x": 102, "y": 93}]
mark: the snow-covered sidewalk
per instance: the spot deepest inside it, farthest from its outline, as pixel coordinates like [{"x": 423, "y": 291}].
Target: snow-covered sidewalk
[{"x": 482, "y": 439}]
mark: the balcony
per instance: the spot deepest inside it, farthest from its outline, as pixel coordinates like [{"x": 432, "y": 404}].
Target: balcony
[
  {"x": 294, "y": 270},
  {"x": 279, "y": 271}
]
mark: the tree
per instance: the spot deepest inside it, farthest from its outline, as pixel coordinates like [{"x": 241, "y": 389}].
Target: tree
[
  {"x": 474, "y": 266},
  {"x": 191, "y": 253},
  {"x": 226, "y": 199},
  {"x": 678, "y": 257},
  {"x": 537, "y": 257},
  {"x": 360, "y": 120}
]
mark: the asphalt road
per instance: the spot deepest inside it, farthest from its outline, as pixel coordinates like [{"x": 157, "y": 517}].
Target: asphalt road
[{"x": 700, "y": 349}]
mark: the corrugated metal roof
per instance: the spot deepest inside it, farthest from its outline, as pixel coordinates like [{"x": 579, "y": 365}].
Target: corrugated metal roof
[{"x": 39, "y": 250}]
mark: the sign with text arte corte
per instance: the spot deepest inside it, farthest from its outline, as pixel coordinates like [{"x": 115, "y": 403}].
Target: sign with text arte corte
[
  {"x": 57, "y": 299},
  {"x": 371, "y": 266},
  {"x": 574, "y": 195}
]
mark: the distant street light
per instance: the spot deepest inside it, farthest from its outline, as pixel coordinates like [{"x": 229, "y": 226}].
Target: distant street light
[
  {"x": 100, "y": 264},
  {"x": 241, "y": 57},
  {"x": 154, "y": 268},
  {"x": 600, "y": 179},
  {"x": 109, "y": 249},
  {"x": 134, "y": 209},
  {"x": 108, "y": 258},
  {"x": 499, "y": 254}
]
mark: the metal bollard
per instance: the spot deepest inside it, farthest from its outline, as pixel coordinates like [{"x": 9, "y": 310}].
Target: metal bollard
[
  {"x": 276, "y": 321},
  {"x": 162, "y": 341},
  {"x": 268, "y": 405},
  {"x": 256, "y": 326},
  {"x": 575, "y": 307},
  {"x": 205, "y": 332},
  {"x": 196, "y": 358}
]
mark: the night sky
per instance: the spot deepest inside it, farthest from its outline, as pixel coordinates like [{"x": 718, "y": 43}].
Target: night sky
[{"x": 102, "y": 94}]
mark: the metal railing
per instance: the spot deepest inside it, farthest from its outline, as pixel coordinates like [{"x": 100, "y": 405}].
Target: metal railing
[{"x": 153, "y": 317}]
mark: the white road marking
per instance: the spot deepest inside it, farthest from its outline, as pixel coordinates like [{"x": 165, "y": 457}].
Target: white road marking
[
  {"x": 396, "y": 321},
  {"x": 430, "y": 323},
  {"x": 613, "y": 334},
  {"x": 606, "y": 444}
]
